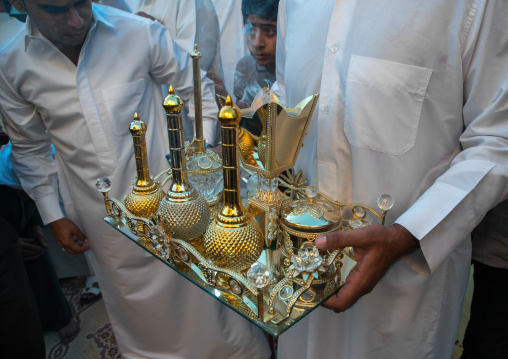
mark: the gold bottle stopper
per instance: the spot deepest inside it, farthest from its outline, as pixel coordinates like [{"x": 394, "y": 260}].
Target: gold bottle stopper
[
  {"x": 183, "y": 213},
  {"x": 199, "y": 142},
  {"x": 234, "y": 239},
  {"x": 145, "y": 196}
]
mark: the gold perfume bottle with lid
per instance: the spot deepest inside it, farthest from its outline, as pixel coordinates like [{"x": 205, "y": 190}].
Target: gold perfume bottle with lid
[
  {"x": 145, "y": 196},
  {"x": 183, "y": 213},
  {"x": 234, "y": 239}
]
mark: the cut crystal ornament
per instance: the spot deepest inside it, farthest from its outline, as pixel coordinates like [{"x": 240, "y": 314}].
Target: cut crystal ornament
[
  {"x": 204, "y": 162},
  {"x": 272, "y": 229},
  {"x": 103, "y": 184},
  {"x": 307, "y": 259},
  {"x": 259, "y": 275},
  {"x": 269, "y": 184},
  {"x": 308, "y": 295},
  {"x": 358, "y": 224},
  {"x": 359, "y": 212},
  {"x": 183, "y": 254},
  {"x": 235, "y": 286},
  {"x": 385, "y": 202},
  {"x": 253, "y": 185},
  {"x": 208, "y": 185},
  {"x": 311, "y": 192},
  {"x": 286, "y": 292}
]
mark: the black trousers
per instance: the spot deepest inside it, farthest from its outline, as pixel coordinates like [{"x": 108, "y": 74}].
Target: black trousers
[
  {"x": 487, "y": 332},
  {"x": 21, "y": 335}
]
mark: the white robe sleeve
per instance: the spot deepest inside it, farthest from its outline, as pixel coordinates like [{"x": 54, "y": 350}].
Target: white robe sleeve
[
  {"x": 478, "y": 177},
  {"x": 31, "y": 153}
]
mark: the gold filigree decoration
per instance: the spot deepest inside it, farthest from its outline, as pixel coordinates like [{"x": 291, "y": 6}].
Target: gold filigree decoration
[{"x": 295, "y": 183}]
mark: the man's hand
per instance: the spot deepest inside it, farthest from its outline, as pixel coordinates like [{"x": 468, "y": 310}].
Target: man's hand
[
  {"x": 68, "y": 236},
  {"x": 376, "y": 248}
]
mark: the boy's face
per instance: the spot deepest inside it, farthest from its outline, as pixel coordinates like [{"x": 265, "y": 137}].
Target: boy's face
[{"x": 261, "y": 38}]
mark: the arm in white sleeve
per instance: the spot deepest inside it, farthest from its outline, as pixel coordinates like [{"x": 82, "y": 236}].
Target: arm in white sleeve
[
  {"x": 478, "y": 176},
  {"x": 31, "y": 152},
  {"x": 171, "y": 64}
]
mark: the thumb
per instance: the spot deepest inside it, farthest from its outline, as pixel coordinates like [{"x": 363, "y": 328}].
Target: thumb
[
  {"x": 335, "y": 240},
  {"x": 331, "y": 241}
]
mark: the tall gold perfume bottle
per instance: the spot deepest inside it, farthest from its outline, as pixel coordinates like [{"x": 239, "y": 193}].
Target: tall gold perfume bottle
[
  {"x": 234, "y": 239},
  {"x": 183, "y": 213},
  {"x": 204, "y": 167},
  {"x": 145, "y": 196}
]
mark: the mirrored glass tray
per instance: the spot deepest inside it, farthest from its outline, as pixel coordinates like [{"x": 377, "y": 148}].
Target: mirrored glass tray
[{"x": 271, "y": 313}]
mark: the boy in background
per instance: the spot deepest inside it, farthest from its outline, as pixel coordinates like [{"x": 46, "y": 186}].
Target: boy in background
[{"x": 257, "y": 70}]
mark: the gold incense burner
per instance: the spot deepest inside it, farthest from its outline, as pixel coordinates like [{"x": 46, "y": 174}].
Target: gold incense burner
[{"x": 272, "y": 282}]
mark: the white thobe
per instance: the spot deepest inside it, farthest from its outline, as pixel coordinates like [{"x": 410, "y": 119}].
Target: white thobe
[
  {"x": 413, "y": 103},
  {"x": 191, "y": 22},
  {"x": 233, "y": 46},
  {"x": 85, "y": 111}
]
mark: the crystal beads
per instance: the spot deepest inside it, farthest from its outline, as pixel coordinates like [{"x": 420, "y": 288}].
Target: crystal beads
[{"x": 259, "y": 275}]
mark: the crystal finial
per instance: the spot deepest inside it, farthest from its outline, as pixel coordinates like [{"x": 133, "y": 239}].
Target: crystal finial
[
  {"x": 103, "y": 184},
  {"x": 259, "y": 275},
  {"x": 311, "y": 191},
  {"x": 385, "y": 202}
]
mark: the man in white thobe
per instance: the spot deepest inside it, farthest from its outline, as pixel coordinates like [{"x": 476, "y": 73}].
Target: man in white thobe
[
  {"x": 413, "y": 103},
  {"x": 74, "y": 77}
]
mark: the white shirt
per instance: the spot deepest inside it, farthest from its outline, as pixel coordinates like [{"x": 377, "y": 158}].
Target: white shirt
[
  {"x": 86, "y": 111},
  {"x": 8, "y": 27},
  {"x": 191, "y": 22},
  {"x": 413, "y": 103}
]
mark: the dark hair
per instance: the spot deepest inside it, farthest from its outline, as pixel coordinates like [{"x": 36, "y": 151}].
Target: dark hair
[
  {"x": 265, "y": 9},
  {"x": 7, "y": 6}
]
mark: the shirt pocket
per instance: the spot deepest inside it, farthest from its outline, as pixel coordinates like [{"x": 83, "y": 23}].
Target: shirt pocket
[
  {"x": 383, "y": 104},
  {"x": 122, "y": 102}
]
